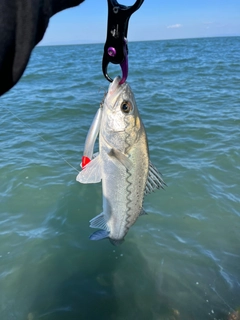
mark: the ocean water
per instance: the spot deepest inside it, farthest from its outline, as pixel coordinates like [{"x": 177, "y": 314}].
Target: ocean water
[{"x": 182, "y": 260}]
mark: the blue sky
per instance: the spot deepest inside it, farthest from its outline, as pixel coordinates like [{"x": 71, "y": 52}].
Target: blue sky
[{"x": 155, "y": 20}]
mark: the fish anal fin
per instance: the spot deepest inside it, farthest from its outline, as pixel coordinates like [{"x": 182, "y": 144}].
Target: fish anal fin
[{"x": 99, "y": 222}]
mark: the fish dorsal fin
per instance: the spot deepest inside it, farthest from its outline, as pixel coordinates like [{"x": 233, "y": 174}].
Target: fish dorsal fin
[
  {"x": 91, "y": 173},
  {"x": 121, "y": 157},
  {"x": 99, "y": 222},
  {"x": 154, "y": 180}
]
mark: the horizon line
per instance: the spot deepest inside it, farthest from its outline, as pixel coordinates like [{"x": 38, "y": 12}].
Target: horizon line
[{"x": 171, "y": 39}]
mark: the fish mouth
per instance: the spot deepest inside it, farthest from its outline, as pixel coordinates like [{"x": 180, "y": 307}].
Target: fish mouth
[
  {"x": 115, "y": 88},
  {"x": 115, "y": 92}
]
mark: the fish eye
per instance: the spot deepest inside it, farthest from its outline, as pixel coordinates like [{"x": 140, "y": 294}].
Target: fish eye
[{"x": 126, "y": 106}]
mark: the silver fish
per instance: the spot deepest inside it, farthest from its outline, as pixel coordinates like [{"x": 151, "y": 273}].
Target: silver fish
[{"x": 122, "y": 165}]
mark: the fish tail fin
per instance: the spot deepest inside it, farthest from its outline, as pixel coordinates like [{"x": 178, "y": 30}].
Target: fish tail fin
[
  {"x": 103, "y": 234},
  {"x": 99, "y": 235}
]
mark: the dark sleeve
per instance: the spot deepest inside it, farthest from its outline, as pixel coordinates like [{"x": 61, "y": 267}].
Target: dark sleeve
[{"x": 22, "y": 25}]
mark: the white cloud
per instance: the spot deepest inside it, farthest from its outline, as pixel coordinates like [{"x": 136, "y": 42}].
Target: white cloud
[{"x": 174, "y": 26}]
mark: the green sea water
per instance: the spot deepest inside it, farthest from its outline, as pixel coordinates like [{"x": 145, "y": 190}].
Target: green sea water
[{"x": 179, "y": 262}]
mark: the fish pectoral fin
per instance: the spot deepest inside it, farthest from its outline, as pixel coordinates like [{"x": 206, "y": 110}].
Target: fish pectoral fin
[
  {"x": 121, "y": 157},
  {"x": 99, "y": 222},
  {"x": 154, "y": 180},
  {"x": 91, "y": 172},
  {"x": 99, "y": 235}
]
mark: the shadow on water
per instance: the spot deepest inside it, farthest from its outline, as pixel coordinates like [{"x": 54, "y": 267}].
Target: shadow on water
[
  {"x": 65, "y": 276},
  {"x": 107, "y": 285}
]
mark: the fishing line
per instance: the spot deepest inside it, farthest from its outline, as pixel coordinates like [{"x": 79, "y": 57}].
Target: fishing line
[{"x": 39, "y": 136}]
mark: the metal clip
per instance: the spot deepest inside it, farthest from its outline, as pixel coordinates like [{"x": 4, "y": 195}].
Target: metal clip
[{"x": 115, "y": 48}]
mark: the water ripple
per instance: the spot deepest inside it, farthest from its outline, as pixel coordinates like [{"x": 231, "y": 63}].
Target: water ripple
[{"x": 185, "y": 252}]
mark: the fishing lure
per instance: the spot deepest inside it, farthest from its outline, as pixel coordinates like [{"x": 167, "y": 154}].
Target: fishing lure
[{"x": 91, "y": 138}]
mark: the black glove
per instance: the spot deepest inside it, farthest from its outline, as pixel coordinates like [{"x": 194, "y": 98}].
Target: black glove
[{"x": 22, "y": 25}]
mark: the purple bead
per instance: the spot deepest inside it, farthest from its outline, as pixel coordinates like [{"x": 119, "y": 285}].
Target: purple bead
[{"x": 112, "y": 51}]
